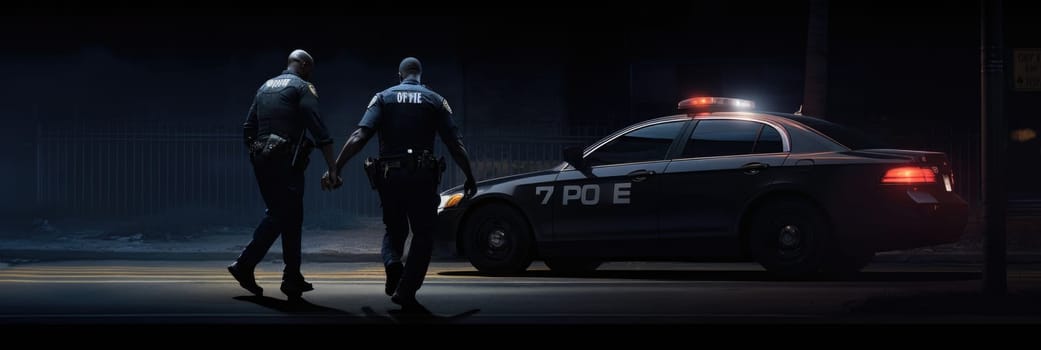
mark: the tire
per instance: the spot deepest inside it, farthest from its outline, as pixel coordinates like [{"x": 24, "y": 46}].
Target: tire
[
  {"x": 790, "y": 238},
  {"x": 572, "y": 265},
  {"x": 498, "y": 240}
]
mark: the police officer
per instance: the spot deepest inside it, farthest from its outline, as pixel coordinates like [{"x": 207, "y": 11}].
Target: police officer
[
  {"x": 283, "y": 108},
  {"x": 407, "y": 117}
]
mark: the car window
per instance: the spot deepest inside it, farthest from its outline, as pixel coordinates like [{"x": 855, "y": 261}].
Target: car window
[
  {"x": 713, "y": 138},
  {"x": 645, "y": 144},
  {"x": 769, "y": 141}
]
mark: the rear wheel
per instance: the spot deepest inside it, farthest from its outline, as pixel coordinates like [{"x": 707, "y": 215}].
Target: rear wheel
[
  {"x": 498, "y": 240},
  {"x": 572, "y": 265},
  {"x": 789, "y": 238}
]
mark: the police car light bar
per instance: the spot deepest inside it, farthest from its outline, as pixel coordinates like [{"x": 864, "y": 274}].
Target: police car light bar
[{"x": 716, "y": 103}]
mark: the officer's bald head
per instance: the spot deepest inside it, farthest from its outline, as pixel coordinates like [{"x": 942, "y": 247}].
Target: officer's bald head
[
  {"x": 301, "y": 62},
  {"x": 410, "y": 67}
]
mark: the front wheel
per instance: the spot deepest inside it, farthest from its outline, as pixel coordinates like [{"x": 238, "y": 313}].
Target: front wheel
[
  {"x": 789, "y": 238},
  {"x": 498, "y": 240}
]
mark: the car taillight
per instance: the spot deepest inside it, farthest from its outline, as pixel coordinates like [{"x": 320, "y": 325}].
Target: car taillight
[{"x": 909, "y": 175}]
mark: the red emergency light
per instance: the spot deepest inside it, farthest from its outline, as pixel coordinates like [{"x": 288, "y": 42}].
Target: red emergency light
[{"x": 703, "y": 104}]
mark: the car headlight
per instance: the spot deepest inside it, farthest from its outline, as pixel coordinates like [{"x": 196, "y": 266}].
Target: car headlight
[{"x": 450, "y": 201}]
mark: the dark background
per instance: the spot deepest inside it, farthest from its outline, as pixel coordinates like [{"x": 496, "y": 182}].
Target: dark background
[{"x": 135, "y": 114}]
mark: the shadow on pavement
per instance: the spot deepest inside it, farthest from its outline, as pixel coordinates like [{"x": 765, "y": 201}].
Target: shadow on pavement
[
  {"x": 417, "y": 315},
  {"x": 293, "y": 307},
  {"x": 701, "y": 275}
]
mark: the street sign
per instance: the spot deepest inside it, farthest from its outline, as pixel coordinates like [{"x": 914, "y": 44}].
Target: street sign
[{"x": 1026, "y": 69}]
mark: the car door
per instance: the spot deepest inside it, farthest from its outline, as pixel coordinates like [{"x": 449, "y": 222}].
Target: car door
[
  {"x": 611, "y": 205},
  {"x": 722, "y": 164}
]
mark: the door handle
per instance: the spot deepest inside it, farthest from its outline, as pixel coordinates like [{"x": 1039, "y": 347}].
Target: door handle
[
  {"x": 640, "y": 175},
  {"x": 754, "y": 168}
]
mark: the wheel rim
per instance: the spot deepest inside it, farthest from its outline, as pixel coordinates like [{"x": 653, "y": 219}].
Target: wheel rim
[
  {"x": 791, "y": 242},
  {"x": 495, "y": 239}
]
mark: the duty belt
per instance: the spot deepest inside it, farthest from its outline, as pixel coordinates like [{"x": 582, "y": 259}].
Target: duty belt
[{"x": 379, "y": 168}]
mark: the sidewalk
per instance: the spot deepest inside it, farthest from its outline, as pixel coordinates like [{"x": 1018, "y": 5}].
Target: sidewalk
[
  {"x": 220, "y": 243},
  {"x": 361, "y": 243}
]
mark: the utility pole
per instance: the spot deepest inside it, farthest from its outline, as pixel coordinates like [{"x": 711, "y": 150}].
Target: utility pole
[
  {"x": 815, "y": 90},
  {"x": 993, "y": 136}
]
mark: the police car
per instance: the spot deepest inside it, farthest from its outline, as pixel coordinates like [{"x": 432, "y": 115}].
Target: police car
[{"x": 720, "y": 181}]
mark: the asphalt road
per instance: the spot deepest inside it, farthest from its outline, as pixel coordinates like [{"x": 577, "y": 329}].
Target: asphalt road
[{"x": 202, "y": 292}]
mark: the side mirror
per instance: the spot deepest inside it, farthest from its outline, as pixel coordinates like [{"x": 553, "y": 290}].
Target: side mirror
[{"x": 573, "y": 155}]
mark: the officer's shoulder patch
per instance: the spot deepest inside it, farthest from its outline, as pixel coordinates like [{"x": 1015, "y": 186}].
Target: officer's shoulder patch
[
  {"x": 372, "y": 102},
  {"x": 313, "y": 90},
  {"x": 444, "y": 102}
]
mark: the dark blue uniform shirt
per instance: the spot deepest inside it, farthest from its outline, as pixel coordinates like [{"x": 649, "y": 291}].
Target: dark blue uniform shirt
[
  {"x": 286, "y": 105},
  {"x": 407, "y": 116}
]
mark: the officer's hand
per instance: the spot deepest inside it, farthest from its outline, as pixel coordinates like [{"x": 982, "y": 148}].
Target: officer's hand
[
  {"x": 469, "y": 188},
  {"x": 336, "y": 181},
  {"x": 327, "y": 182}
]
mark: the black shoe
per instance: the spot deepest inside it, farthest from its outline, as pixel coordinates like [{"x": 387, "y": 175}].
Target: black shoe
[
  {"x": 394, "y": 272},
  {"x": 246, "y": 279},
  {"x": 295, "y": 287},
  {"x": 406, "y": 301},
  {"x": 410, "y": 307}
]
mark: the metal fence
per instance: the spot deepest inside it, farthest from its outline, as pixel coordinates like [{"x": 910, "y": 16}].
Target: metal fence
[
  {"x": 127, "y": 169},
  {"x": 135, "y": 168}
]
